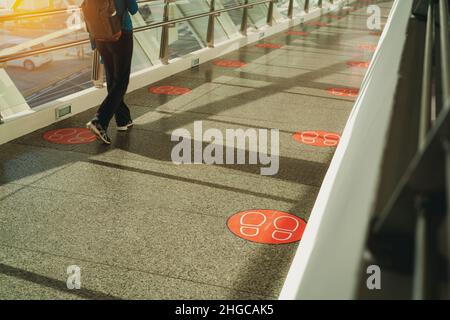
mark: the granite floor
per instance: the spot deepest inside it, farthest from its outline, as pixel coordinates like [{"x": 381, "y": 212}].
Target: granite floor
[{"x": 140, "y": 226}]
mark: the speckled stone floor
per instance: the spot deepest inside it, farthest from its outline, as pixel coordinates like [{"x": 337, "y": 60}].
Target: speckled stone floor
[{"x": 141, "y": 227}]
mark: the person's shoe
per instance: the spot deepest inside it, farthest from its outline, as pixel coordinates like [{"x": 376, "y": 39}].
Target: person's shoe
[
  {"x": 129, "y": 125},
  {"x": 98, "y": 130}
]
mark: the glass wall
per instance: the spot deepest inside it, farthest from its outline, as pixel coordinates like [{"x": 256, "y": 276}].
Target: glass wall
[
  {"x": 188, "y": 36},
  {"x": 283, "y": 7},
  {"x": 313, "y": 4},
  {"x": 46, "y": 77}
]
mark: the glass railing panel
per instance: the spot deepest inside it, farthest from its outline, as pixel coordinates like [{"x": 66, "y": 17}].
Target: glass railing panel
[
  {"x": 148, "y": 41},
  {"x": 152, "y": 12},
  {"x": 235, "y": 15},
  {"x": 23, "y": 33},
  {"x": 313, "y": 4},
  {"x": 187, "y": 36},
  {"x": 61, "y": 73},
  {"x": 190, "y": 36},
  {"x": 258, "y": 15},
  {"x": 277, "y": 16},
  {"x": 140, "y": 59},
  {"x": 220, "y": 35},
  {"x": 11, "y": 100},
  {"x": 283, "y": 7},
  {"x": 226, "y": 21},
  {"x": 45, "y": 77},
  {"x": 187, "y": 8}
]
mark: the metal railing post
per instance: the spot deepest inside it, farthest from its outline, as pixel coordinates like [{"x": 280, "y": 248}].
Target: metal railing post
[
  {"x": 420, "y": 276},
  {"x": 270, "y": 14},
  {"x": 164, "y": 46},
  {"x": 425, "y": 108},
  {"x": 445, "y": 67},
  {"x": 425, "y": 253},
  {"x": 244, "y": 23},
  {"x": 447, "y": 187},
  {"x": 306, "y": 6},
  {"x": 291, "y": 9},
  {"x": 445, "y": 51},
  {"x": 211, "y": 21}
]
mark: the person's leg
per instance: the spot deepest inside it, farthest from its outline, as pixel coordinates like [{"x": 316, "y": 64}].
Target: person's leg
[
  {"x": 109, "y": 72},
  {"x": 98, "y": 128},
  {"x": 122, "y": 114},
  {"x": 106, "y": 52},
  {"x": 108, "y": 64},
  {"x": 121, "y": 52}
]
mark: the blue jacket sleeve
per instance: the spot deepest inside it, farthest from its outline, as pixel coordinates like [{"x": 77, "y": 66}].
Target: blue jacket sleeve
[{"x": 132, "y": 6}]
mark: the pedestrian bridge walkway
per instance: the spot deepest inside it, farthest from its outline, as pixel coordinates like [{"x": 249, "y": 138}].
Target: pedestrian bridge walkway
[{"x": 140, "y": 226}]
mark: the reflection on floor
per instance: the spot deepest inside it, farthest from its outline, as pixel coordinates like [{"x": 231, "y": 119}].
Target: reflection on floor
[{"x": 140, "y": 226}]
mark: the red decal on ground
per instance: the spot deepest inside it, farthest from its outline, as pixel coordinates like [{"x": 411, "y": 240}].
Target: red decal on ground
[
  {"x": 269, "y": 45},
  {"x": 229, "y": 63},
  {"x": 375, "y": 33},
  {"x": 70, "y": 136},
  {"x": 267, "y": 226},
  {"x": 367, "y": 47},
  {"x": 169, "y": 90},
  {"x": 317, "y": 138},
  {"x": 316, "y": 24},
  {"x": 358, "y": 64},
  {"x": 344, "y": 92},
  {"x": 297, "y": 33}
]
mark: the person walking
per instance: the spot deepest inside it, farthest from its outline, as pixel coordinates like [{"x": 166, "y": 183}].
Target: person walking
[{"x": 116, "y": 56}]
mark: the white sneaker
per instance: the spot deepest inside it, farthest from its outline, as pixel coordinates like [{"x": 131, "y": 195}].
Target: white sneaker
[
  {"x": 98, "y": 130},
  {"x": 125, "y": 127}
]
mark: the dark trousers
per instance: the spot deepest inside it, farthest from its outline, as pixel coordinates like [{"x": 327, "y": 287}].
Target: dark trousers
[{"x": 116, "y": 58}]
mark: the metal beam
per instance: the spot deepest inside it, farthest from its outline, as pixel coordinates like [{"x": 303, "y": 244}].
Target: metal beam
[
  {"x": 270, "y": 14},
  {"x": 291, "y": 9},
  {"x": 445, "y": 50},
  {"x": 164, "y": 46},
  {"x": 211, "y": 22}
]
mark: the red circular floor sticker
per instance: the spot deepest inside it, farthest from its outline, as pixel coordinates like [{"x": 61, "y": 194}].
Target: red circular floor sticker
[
  {"x": 316, "y": 24},
  {"x": 70, "y": 136},
  {"x": 317, "y": 138},
  {"x": 229, "y": 63},
  {"x": 367, "y": 47},
  {"x": 169, "y": 90},
  {"x": 297, "y": 33},
  {"x": 358, "y": 64},
  {"x": 269, "y": 45},
  {"x": 267, "y": 226},
  {"x": 344, "y": 92}
]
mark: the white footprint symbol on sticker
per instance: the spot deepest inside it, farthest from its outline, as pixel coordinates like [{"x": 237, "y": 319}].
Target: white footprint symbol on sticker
[
  {"x": 252, "y": 229},
  {"x": 284, "y": 234}
]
